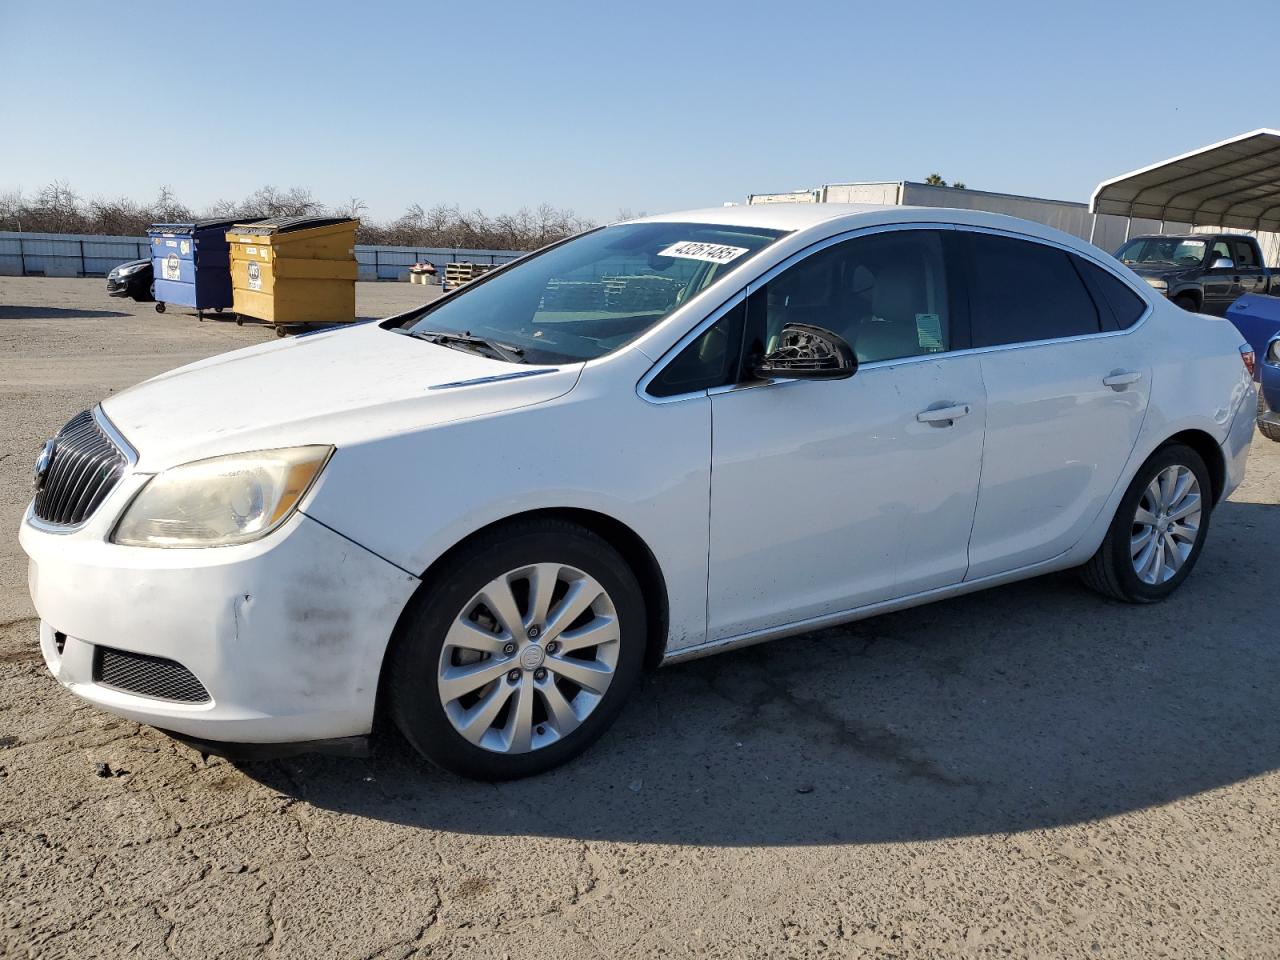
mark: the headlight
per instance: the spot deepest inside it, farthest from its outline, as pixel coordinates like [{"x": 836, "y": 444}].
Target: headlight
[
  {"x": 221, "y": 501},
  {"x": 1273, "y": 354},
  {"x": 128, "y": 271},
  {"x": 1157, "y": 283}
]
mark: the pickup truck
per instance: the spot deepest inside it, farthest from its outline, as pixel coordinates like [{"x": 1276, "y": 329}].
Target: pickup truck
[{"x": 1201, "y": 272}]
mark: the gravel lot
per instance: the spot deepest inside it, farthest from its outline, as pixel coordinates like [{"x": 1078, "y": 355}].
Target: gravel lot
[{"x": 1031, "y": 771}]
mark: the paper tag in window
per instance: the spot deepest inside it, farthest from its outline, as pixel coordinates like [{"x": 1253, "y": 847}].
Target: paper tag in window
[
  {"x": 710, "y": 252},
  {"x": 929, "y": 332}
]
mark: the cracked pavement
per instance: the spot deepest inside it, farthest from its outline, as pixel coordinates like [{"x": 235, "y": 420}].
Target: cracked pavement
[{"x": 1031, "y": 771}]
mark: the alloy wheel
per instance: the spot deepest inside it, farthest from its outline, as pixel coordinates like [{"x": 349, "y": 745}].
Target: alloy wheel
[
  {"x": 1166, "y": 524},
  {"x": 528, "y": 658}
]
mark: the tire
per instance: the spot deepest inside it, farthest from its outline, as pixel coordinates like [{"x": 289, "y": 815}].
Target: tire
[
  {"x": 576, "y": 562},
  {"x": 1113, "y": 569},
  {"x": 1269, "y": 430},
  {"x": 1187, "y": 302},
  {"x": 160, "y": 307}
]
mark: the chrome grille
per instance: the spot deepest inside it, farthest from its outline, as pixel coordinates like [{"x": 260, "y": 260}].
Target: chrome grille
[
  {"x": 147, "y": 675},
  {"x": 85, "y": 466}
]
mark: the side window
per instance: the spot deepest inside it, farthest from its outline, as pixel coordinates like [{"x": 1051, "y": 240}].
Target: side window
[
  {"x": 1022, "y": 291},
  {"x": 886, "y": 294},
  {"x": 1219, "y": 249},
  {"x": 711, "y": 360},
  {"x": 1109, "y": 292},
  {"x": 1244, "y": 257}
]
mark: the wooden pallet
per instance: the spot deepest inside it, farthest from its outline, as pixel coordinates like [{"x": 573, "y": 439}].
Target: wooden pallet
[{"x": 456, "y": 274}]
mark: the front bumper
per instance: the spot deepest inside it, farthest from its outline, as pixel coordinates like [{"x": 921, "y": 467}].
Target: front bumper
[
  {"x": 129, "y": 286},
  {"x": 1270, "y": 389},
  {"x": 286, "y": 634}
]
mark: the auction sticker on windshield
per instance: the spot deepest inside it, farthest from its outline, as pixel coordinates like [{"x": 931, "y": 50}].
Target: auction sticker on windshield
[{"x": 710, "y": 252}]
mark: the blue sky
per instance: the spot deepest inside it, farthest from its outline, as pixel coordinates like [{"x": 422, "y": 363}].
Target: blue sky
[{"x": 598, "y": 106}]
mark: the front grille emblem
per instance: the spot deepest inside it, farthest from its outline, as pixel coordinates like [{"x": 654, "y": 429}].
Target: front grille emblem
[{"x": 43, "y": 462}]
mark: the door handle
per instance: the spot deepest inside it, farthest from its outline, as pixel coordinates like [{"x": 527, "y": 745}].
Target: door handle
[
  {"x": 945, "y": 415},
  {"x": 1121, "y": 379}
]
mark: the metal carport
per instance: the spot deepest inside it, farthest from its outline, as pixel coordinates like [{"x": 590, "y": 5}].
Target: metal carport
[{"x": 1232, "y": 184}]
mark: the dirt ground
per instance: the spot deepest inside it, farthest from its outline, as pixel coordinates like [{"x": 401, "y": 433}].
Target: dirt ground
[{"x": 1028, "y": 772}]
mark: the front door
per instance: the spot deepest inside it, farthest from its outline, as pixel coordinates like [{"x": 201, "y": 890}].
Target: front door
[
  {"x": 826, "y": 496},
  {"x": 1248, "y": 266},
  {"x": 1221, "y": 284}
]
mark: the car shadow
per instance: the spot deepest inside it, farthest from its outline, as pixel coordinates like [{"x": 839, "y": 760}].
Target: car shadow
[
  {"x": 25, "y": 312},
  {"x": 1028, "y": 706}
]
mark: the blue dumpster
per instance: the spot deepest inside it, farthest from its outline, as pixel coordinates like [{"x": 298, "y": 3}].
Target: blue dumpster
[{"x": 190, "y": 264}]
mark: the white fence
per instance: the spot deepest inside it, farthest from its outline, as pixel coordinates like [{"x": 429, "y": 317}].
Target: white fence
[{"x": 76, "y": 255}]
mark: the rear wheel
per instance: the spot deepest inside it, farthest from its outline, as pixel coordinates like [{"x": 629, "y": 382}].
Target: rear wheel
[
  {"x": 1158, "y": 531},
  {"x": 520, "y": 656}
]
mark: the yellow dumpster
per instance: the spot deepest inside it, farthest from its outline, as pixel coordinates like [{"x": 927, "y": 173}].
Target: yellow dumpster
[{"x": 294, "y": 270}]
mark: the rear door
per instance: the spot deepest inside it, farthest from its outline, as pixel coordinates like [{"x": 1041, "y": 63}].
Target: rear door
[{"x": 1067, "y": 388}]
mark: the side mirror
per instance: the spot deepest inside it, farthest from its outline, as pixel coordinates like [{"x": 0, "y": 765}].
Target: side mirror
[
  {"x": 806, "y": 352},
  {"x": 1223, "y": 263}
]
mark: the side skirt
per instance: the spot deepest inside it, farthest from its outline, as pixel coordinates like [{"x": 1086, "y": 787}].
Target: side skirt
[{"x": 1064, "y": 561}]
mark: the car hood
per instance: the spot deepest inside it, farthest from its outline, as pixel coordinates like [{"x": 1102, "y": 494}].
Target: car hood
[
  {"x": 1158, "y": 269},
  {"x": 339, "y": 387}
]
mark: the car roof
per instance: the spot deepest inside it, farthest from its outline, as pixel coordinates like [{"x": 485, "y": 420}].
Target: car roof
[
  {"x": 832, "y": 218},
  {"x": 1178, "y": 236},
  {"x": 772, "y": 216}
]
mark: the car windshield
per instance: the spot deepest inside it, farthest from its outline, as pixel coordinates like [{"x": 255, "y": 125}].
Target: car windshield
[
  {"x": 592, "y": 294},
  {"x": 1162, "y": 250}
]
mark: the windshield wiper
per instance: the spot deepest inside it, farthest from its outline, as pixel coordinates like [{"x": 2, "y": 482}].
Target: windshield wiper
[{"x": 448, "y": 338}]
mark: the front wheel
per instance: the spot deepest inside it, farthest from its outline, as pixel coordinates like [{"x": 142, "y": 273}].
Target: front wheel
[
  {"x": 1187, "y": 302},
  {"x": 521, "y": 654},
  {"x": 1158, "y": 531},
  {"x": 160, "y": 307}
]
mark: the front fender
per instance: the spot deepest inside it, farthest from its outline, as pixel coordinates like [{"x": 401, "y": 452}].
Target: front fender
[{"x": 411, "y": 497}]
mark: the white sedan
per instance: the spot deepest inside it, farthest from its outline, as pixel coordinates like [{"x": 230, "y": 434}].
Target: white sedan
[{"x": 654, "y": 441}]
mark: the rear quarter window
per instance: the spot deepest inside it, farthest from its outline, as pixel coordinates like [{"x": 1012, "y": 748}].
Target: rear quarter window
[{"x": 1112, "y": 294}]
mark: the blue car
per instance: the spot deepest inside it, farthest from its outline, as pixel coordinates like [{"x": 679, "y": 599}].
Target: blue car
[
  {"x": 1257, "y": 317},
  {"x": 1269, "y": 395}
]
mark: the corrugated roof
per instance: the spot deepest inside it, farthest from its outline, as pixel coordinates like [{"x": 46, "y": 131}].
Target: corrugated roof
[
  {"x": 286, "y": 224},
  {"x": 1235, "y": 183}
]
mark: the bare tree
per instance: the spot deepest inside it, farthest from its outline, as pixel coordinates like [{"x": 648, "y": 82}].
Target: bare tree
[
  {"x": 355, "y": 207},
  {"x": 169, "y": 209},
  {"x": 58, "y": 209}
]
